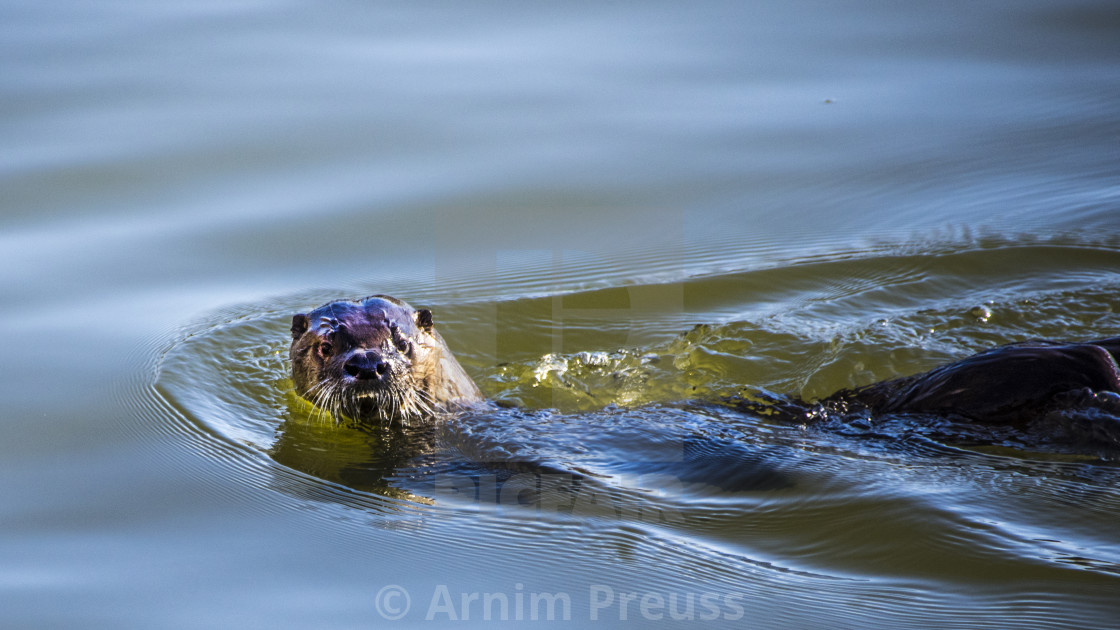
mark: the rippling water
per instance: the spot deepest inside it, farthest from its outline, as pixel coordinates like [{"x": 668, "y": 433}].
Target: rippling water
[{"x": 620, "y": 215}]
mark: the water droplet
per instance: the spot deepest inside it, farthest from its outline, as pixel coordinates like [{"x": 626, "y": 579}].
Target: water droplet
[{"x": 982, "y": 313}]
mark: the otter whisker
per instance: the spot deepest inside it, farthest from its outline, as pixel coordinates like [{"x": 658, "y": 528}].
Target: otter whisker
[
  {"x": 315, "y": 395},
  {"x": 325, "y": 400}
]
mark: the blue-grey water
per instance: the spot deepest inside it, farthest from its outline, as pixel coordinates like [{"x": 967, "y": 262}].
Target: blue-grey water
[{"x": 836, "y": 192}]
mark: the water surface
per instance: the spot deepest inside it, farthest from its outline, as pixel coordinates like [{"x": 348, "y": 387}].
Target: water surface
[{"x": 834, "y": 193}]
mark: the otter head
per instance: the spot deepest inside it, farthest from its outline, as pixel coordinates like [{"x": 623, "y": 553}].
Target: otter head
[{"x": 375, "y": 358}]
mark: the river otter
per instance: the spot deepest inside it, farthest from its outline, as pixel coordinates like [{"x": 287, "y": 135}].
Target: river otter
[{"x": 376, "y": 358}]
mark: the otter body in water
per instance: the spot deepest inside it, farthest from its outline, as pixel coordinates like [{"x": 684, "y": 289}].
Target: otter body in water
[
  {"x": 1051, "y": 390},
  {"x": 1001, "y": 384},
  {"x": 376, "y": 358}
]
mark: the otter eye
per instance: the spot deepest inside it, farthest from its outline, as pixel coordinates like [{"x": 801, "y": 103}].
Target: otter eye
[
  {"x": 399, "y": 340},
  {"x": 325, "y": 349}
]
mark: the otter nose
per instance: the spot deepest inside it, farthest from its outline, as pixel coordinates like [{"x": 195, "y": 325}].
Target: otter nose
[{"x": 366, "y": 365}]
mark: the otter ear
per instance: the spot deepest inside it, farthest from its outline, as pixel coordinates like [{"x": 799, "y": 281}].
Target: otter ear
[
  {"x": 424, "y": 319},
  {"x": 300, "y": 322}
]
